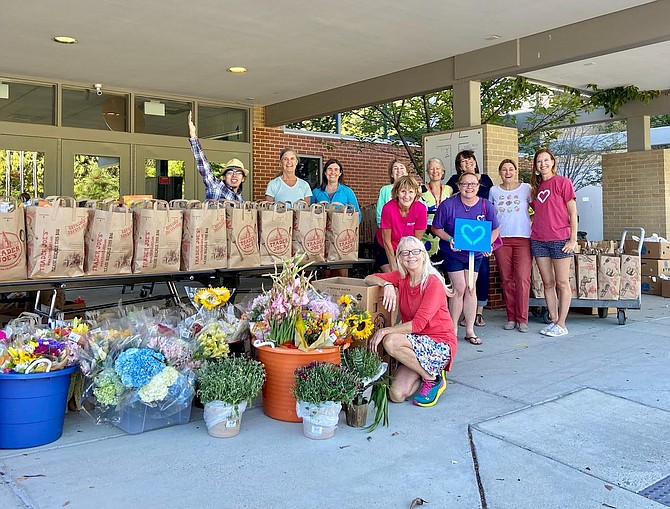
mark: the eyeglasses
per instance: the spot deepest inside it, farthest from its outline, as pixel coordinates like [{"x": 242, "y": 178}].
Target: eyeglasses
[
  {"x": 469, "y": 184},
  {"x": 407, "y": 252},
  {"x": 239, "y": 173}
]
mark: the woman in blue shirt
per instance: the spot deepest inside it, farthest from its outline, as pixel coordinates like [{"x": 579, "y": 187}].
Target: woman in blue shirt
[{"x": 332, "y": 187}]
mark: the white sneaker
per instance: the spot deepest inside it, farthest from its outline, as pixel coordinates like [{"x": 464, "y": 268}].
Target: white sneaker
[
  {"x": 557, "y": 331},
  {"x": 547, "y": 328}
]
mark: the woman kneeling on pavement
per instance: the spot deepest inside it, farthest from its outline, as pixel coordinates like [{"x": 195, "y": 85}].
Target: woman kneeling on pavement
[{"x": 424, "y": 343}]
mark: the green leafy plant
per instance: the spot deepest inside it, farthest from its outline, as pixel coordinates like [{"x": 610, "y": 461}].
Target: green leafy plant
[
  {"x": 364, "y": 364},
  {"x": 232, "y": 380},
  {"x": 324, "y": 381},
  {"x": 381, "y": 401}
]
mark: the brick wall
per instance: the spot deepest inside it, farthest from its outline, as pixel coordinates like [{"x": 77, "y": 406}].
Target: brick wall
[{"x": 636, "y": 192}]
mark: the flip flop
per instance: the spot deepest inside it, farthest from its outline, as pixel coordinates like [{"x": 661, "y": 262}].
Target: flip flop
[
  {"x": 479, "y": 320},
  {"x": 473, "y": 340}
]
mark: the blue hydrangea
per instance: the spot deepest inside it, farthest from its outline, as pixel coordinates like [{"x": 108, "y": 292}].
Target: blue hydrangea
[{"x": 136, "y": 366}]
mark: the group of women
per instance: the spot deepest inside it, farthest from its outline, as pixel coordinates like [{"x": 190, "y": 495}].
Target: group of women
[
  {"x": 416, "y": 234},
  {"x": 425, "y": 342}
]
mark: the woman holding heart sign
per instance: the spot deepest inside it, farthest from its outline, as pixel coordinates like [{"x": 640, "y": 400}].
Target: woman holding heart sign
[
  {"x": 465, "y": 205},
  {"x": 553, "y": 236}
]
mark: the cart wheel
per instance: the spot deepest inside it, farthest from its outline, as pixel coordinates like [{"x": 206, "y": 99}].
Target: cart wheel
[
  {"x": 536, "y": 311},
  {"x": 545, "y": 316},
  {"x": 144, "y": 292},
  {"x": 602, "y": 312},
  {"x": 621, "y": 316}
]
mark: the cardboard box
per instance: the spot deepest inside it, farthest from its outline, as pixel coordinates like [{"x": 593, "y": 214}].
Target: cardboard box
[
  {"x": 368, "y": 297},
  {"x": 665, "y": 287},
  {"x": 650, "y": 267},
  {"x": 609, "y": 277},
  {"x": 651, "y": 285},
  {"x": 655, "y": 250}
]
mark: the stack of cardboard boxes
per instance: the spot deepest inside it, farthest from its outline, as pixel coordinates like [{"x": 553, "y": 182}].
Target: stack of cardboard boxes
[{"x": 655, "y": 264}]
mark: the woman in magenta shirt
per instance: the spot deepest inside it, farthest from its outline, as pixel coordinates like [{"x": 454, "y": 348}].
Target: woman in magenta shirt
[
  {"x": 403, "y": 216},
  {"x": 553, "y": 237}
]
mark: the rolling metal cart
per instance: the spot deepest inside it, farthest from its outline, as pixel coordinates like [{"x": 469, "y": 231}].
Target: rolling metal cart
[{"x": 538, "y": 305}]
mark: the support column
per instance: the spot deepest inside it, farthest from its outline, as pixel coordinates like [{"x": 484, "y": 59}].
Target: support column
[
  {"x": 639, "y": 133},
  {"x": 467, "y": 104}
]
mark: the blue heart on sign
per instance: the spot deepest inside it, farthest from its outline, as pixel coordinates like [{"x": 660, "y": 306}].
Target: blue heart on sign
[{"x": 473, "y": 235}]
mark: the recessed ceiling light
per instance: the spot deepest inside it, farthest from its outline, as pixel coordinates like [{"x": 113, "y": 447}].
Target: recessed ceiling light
[
  {"x": 65, "y": 39},
  {"x": 492, "y": 37},
  {"x": 237, "y": 70}
]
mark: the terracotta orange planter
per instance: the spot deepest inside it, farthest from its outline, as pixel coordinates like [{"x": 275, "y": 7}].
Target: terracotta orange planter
[{"x": 280, "y": 363}]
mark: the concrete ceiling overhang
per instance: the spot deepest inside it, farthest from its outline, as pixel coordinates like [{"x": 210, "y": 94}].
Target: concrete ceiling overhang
[{"x": 307, "y": 59}]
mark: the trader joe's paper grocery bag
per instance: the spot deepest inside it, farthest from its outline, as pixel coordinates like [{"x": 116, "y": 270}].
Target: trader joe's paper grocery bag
[
  {"x": 342, "y": 233},
  {"x": 55, "y": 238},
  {"x": 309, "y": 231},
  {"x": 631, "y": 283},
  {"x": 275, "y": 223},
  {"x": 204, "y": 244},
  {"x": 109, "y": 239},
  {"x": 157, "y": 237},
  {"x": 242, "y": 234},
  {"x": 609, "y": 277},
  {"x": 536, "y": 285},
  {"x": 12, "y": 240},
  {"x": 587, "y": 276}
]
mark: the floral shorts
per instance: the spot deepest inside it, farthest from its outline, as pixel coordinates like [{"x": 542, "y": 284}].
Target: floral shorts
[{"x": 432, "y": 356}]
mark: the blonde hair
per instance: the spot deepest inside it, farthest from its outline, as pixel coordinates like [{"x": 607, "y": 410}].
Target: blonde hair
[
  {"x": 410, "y": 243},
  {"x": 405, "y": 182}
]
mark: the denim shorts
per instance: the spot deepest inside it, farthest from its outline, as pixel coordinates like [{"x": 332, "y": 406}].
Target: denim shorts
[
  {"x": 549, "y": 249},
  {"x": 452, "y": 264},
  {"x": 432, "y": 356}
]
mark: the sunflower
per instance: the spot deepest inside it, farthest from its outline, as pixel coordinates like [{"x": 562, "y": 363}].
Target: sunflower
[
  {"x": 345, "y": 300},
  {"x": 364, "y": 326},
  {"x": 212, "y": 298}
]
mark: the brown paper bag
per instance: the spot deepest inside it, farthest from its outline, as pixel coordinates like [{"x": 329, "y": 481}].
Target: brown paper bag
[
  {"x": 157, "y": 237},
  {"x": 342, "y": 233},
  {"x": 108, "y": 239},
  {"x": 572, "y": 278},
  {"x": 275, "y": 227},
  {"x": 309, "y": 231},
  {"x": 587, "y": 276},
  {"x": 609, "y": 277},
  {"x": 13, "y": 264},
  {"x": 631, "y": 283},
  {"x": 242, "y": 234},
  {"x": 536, "y": 285},
  {"x": 55, "y": 238},
  {"x": 204, "y": 244}
]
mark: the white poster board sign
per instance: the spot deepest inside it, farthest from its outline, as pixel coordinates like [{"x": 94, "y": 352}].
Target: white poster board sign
[{"x": 447, "y": 144}]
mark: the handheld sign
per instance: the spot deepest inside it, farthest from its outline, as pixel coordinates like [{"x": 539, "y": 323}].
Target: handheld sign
[{"x": 475, "y": 237}]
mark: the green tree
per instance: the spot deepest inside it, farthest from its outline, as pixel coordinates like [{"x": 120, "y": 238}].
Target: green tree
[
  {"x": 93, "y": 181},
  {"x": 30, "y": 162}
]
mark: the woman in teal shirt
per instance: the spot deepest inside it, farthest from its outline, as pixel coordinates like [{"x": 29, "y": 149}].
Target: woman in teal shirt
[{"x": 333, "y": 189}]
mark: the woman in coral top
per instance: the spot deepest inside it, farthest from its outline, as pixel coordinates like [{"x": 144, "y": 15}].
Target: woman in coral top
[
  {"x": 424, "y": 343},
  {"x": 553, "y": 236}
]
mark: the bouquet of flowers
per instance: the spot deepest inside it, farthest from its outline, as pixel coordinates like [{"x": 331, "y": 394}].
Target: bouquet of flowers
[
  {"x": 275, "y": 313},
  {"x": 26, "y": 346}
]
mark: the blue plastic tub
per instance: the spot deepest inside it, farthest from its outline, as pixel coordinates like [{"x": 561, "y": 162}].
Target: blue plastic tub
[{"x": 32, "y": 407}]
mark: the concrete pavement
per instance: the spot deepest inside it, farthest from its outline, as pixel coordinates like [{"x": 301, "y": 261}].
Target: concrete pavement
[{"x": 526, "y": 422}]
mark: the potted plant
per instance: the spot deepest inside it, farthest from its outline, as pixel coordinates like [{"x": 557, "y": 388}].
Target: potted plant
[
  {"x": 368, "y": 367},
  {"x": 320, "y": 389},
  {"x": 226, "y": 387}
]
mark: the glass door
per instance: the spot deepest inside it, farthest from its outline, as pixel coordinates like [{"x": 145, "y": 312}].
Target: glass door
[
  {"x": 95, "y": 170},
  {"x": 28, "y": 166},
  {"x": 164, "y": 173}
]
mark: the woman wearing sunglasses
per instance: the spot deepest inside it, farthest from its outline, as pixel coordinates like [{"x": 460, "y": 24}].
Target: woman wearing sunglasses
[{"x": 424, "y": 343}]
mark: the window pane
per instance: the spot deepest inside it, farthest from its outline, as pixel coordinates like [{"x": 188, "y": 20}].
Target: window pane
[
  {"x": 165, "y": 178},
  {"x": 29, "y": 104},
  {"x": 21, "y": 171},
  {"x": 152, "y": 120},
  {"x": 96, "y": 177},
  {"x": 309, "y": 169},
  {"x": 84, "y": 108},
  {"x": 221, "y": 123}
]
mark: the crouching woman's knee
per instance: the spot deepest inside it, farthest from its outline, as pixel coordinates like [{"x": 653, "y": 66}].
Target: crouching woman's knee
[{"x": 393, "y": 342}]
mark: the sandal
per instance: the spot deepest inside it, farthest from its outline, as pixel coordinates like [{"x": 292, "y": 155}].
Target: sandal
[
  {"x": 479, "y": 320},
  {"x": 461, "y": 323},
  {"x": 473, "y": 340}
]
